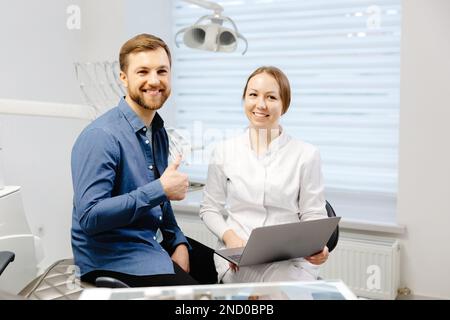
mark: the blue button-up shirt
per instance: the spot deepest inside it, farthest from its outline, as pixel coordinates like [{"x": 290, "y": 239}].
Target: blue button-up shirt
[{"x": 119, "y": 202}]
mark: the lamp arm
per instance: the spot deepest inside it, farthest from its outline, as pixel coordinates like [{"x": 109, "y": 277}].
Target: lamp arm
[
  {"x": 208, "y": 16},
  {"x": 217, "y": 8}
]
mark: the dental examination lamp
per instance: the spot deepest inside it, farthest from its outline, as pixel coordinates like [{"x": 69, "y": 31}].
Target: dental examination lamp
[{"x": 212, "y": 36}]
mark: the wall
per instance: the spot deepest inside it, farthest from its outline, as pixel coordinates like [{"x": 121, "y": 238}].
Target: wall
[
  {"x": 38, "y": 51},
  {"x": 103, "y": 29},
  {"x": 424, "y": 175},
  {"x": 153, "y": 17}
]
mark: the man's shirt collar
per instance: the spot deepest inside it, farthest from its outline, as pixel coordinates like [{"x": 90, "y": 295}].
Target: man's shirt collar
[{"x": 136, "y": 123}]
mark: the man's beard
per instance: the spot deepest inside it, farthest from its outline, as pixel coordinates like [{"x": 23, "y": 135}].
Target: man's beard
[{"x": 139, "y": 99}]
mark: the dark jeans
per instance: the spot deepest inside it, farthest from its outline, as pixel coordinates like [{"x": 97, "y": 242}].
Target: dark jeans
[{"x": 202, "y": 271}]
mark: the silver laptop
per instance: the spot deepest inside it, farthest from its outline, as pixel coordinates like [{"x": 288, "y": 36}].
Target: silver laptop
[{"x": 282, "y": 242}]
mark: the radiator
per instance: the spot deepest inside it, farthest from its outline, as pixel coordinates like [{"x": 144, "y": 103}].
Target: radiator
[{"x": 368, "y": 265}]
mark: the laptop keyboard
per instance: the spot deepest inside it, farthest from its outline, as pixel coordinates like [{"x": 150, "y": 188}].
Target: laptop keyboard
[{"x": 236, "y": 257}]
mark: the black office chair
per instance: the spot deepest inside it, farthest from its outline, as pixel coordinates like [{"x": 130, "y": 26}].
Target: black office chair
[{"x": 332, "y": 242}]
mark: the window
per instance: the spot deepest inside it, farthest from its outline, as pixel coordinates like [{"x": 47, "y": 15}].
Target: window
[{"x": 342, "y": 58}]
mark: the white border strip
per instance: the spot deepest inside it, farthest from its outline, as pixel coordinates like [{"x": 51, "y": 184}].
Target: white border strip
[{"x": 46, "y": 109}]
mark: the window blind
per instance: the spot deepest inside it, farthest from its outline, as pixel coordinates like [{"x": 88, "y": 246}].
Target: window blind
[{"x": 342, "y": 58}]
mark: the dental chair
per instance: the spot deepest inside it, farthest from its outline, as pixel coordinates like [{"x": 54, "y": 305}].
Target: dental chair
[
  {"x": 58, "y": 282},
  {"x": 333, "y": 241}
]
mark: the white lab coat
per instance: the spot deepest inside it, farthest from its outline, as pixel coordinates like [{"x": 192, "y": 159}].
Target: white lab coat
[{"x": 245, "y": 191}]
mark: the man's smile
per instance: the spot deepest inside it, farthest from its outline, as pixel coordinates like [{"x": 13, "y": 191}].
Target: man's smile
[{"x": 152, "y": 92}]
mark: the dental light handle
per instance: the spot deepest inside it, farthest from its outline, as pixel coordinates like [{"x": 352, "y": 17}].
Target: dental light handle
[{"x": 240, "y": 36}]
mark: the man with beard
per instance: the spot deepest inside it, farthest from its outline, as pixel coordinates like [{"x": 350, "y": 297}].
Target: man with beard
[{"x": 123, "y": 184}]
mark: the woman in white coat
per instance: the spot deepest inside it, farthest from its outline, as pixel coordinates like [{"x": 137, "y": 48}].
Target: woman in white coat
[{"x": 263, "y": 177}]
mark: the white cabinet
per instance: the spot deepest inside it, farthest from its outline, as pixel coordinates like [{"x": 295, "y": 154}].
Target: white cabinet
[
  {"x": 2, "y": 181},
  {"x": 15, "y": 236}
]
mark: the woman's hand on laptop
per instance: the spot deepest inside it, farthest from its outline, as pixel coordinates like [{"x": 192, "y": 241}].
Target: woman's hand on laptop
[
  {"x": 232, "y": 240},
  {"x": 233, "y": 267},
  {"x": 320, "y": 257}
]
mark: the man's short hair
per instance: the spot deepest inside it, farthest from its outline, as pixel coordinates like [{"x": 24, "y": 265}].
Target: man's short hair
[{"x": 139, "y": 43}]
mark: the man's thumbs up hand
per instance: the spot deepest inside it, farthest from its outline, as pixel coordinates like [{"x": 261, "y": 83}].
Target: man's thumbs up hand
[
  {"x": 174, "y": 165},
  {"x": 174, "y": 183}
]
